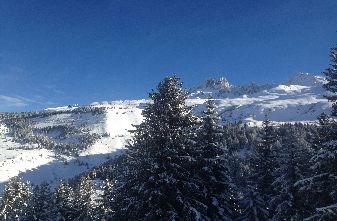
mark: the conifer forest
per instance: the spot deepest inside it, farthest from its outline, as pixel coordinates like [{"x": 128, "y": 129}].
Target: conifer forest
[{"x": 181, "y": 167}]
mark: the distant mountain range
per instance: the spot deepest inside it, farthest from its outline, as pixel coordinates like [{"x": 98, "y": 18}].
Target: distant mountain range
[{"x": 298, "y": 99}]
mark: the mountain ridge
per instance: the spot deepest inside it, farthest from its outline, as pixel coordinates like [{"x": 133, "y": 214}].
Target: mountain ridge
[
  {"x": 220, "y": 88},
  {"x": 70, "y": 139}
]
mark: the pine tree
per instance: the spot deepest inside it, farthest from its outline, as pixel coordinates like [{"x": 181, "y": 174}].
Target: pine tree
[
  {"x": 104, "y": 211},
  {"x": 293, "y": 158},
  {"x": 263, "y": 164},
  {"x": 64, "y": 197},
  {"x": 320, "y": 187},
  {"x": 254, "y": 206},
  {"x": 157, "y": 183},
  {"x": 83, "y": 203},
  {"x": 15, "y": 200},
  {"x": 41, "y": 204},
  {"x": 323, "y": 132},
  {"x": 331, "y": 85},
  {"x": 263, "y": 160},
  {"x": 213, "y": 166}
]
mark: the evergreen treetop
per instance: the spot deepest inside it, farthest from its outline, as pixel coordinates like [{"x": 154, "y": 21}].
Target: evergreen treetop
[
  {"x": 156, "y": 183},
  {"x": 331, "y": 85},
  {"x": 212, "y": 166}
]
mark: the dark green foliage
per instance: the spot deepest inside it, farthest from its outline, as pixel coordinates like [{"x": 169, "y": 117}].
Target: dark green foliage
[
  {"x": 262, "y": 165},
  {"x": 15, "y": 200},
  {"x": 104, "y": 210},
  {"x": 320, "y": 186},
  {"x": 253, "y": 206},
  {"x": 41, "y": 204},
  {"x": 64, "y": 197},
  {"x": 331, "y": 85},
  {"x": 323, "y": 132},
  {"x": 212, "y": 166},
  {"x": 83, "y": 204},
  {"x": 157, "y": 182},
  {"x": 293, "y": 157},
  {"x": 263, "y": 159}
]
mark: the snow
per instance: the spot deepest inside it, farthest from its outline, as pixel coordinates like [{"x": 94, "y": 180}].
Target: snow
[
  {"x": 118, "y": 122},
  {"x": 39, "y": 165},
  {"x": 300, "y": 99},
  {"x": 306, "y": 79},
  {"x": 63, "y": 108},
  {"x": 289, "y": 88},
  {"x": 14, "y": 160}
]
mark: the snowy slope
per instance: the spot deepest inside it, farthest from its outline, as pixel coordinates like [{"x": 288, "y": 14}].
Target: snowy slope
[
  {"x": 300, "y": 99},
  {"x": 101, "y": 130},
  {"x": 33, "y": 162}
]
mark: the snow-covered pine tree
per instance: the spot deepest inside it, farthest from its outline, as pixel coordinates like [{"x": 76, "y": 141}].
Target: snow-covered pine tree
[
  {"x": 104, "y": 211},
  {"x": 41, "y": 204},
  {"x": 264, "y": 158},
  {"x": 253, "y": 206},
  {"x": 331, "y": 85},
  {"x": 83, "y": 201},
  {"x": 212, "y": 169},
  {"x": 15, "y": 200},
  {"x": 157, "y": 181},
  {"x": 323, "y": 131},
  {"x": 263, "y": 164},
  {"x": 321, "y": 186},
  {"x": 293, "y": 157},
  {"x": 64, "y": 197}
]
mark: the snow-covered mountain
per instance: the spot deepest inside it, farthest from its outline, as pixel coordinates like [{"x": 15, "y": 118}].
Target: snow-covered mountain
[
  {"x": 59, "y": 143},
  {"x": 299, "y": 99}
]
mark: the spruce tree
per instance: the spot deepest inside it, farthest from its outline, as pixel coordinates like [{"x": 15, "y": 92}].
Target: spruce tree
[
  {"x": 157, "y": 182},
  {"x": 323, "y": 132},
  {"x": 212, "y": 167},
  {"x": 263, "y": 160},
  {"x": 263, "y": 164},
  {"x": 320, "y": 187},
  {"x": 15, "y": 200},
  {"x": 83, "y": 202},
  {"x": 64, "y": 197},
  {"x": 331, "y": 85},
  {"x": 41, "y": 204},
  {"x": 253, "y": 206},
  {"x": 104, "y": 211},
  {"x": 293, "y": 165}
]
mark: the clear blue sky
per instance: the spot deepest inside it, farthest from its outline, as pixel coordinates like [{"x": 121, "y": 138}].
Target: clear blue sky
[{"x": 64, "y": 52}]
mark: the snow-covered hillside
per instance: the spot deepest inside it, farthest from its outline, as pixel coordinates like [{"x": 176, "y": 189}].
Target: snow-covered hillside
[
  {"x": 65, "y": 128},
  {"x": 300, "y": 99},
  {"x": 59, "y": 143}
]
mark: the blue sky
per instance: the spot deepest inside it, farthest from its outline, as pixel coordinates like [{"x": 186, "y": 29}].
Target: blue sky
[{"x": 56, "y": 53}]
